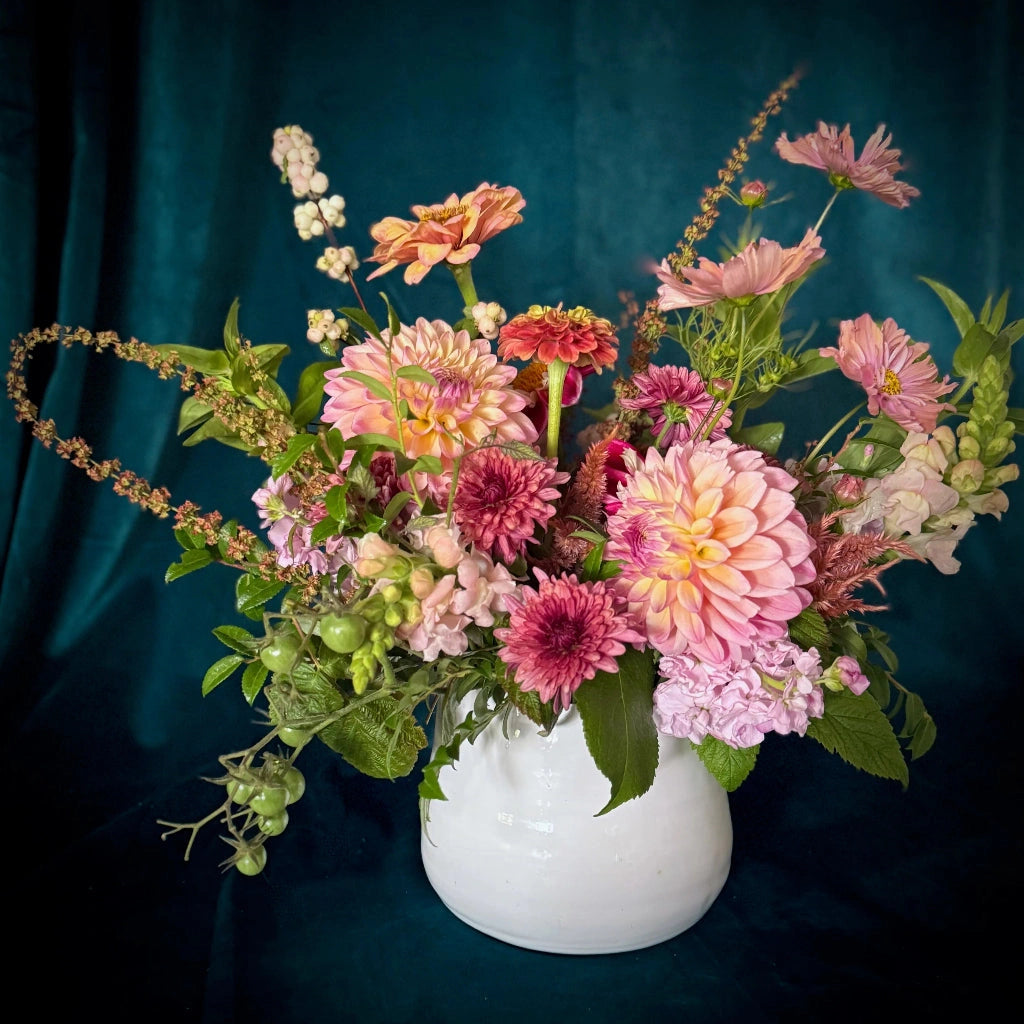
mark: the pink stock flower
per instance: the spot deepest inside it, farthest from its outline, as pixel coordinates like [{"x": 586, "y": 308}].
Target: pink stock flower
[
  {"x": 768, "y": 687},
  {"x": 900, "y": 378},
  {"x": 562, "y": 634},
  {"x": 761, "y": 268},
  {"x": 678, "y": 400},
  {"x": 451, "y": 232},
  {"x": 714, "y": 553},
  {"x": 471, "y": 400},
  {"x": 576, "y": 336},
  {"x": 831, "y": 150},
  {"x": 501, "y": 500}
]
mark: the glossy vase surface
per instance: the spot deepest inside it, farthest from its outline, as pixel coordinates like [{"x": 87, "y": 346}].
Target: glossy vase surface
[{"x": 517, "y": 852}]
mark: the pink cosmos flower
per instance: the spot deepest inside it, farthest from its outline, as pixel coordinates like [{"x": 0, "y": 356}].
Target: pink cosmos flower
[
  {"x": 451, "y": 232},
  {"x": 562, "y": 634},
  {"x": 761, "y": 268},
  {"x": 471, "y": 400},
  {"x": 677, "y": 399},
  {"x": 900, "y": 378},
  {"x": 831, "y": 150},
  {"x": 576, "y": 336},
  {"x": 714, "y": 553},
  {"x": 500, "y": 500},
  {"x": 769, "y": 687}
]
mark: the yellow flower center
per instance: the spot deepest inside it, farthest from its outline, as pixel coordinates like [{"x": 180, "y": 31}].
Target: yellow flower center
[
  {"x": 891, "y": 385},
  {"x": 443, "y": 213}
]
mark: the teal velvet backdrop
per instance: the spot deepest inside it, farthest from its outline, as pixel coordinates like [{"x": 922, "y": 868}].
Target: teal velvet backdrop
[{"x": 137, "y": 195}]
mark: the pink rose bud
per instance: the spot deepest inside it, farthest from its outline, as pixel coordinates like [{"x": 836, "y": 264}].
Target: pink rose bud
[
  {"x": 849, "y": 490},
  {"x": 753, "y": 194}
]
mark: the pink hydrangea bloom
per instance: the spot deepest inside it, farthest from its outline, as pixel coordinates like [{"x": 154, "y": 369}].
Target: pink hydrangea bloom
[
  {"x": 471, "y": 400},
  {"x": 770, "y": 687},
  {"x": 562, "y": 634},
  {"x": 714, "y": 553},
  {"x": 898, "y": 375},
  {"x": 831, "y": 150},
  {"x": 451, "y": 232},
  {"x": 761, "y": 268},
  {"x": 679, "y": 404},
  {"x": 500, "y": 500}
]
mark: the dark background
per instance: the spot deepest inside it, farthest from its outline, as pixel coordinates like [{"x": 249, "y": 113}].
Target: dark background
[{"x": 137, "y": 194}]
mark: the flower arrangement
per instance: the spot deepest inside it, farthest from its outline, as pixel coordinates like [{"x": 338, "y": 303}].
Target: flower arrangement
[{"x": 432, "y": 531}]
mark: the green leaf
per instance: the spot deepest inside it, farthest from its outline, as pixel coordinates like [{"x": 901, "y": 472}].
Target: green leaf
[
  {"x": 858, "y": 731},
  {"x": 417, "y": 374},
  {"x": 192, "y": 414},
  {"x": 394, "y": 324},
  {"x": 237, "y": 639},
  {"x": 727, "y": 764},
  {"x": 809, "y": 629},
  {"x": 428, "y": 464},
  {"x": 618, "y": 724},
  {"x": 190, "y": 540},
  {"x": 270, "y": 357},
  {"x": 337, "y": 502},
  {"x": 309, "y": 395},
  {"x": 363, "y": 319},
  {"x": 231, "y": 335},
  {"x": 324, "y": 531},
  {"x": 766, "y": 437},
  {"x": 253, "y": 592},
  {"x": 976, "y": 346},
  {"x": 189, "y": 562},
  {"x": 374, "y": 386},
  {"x": 213, "y": 429},
  {"x": 207, "y": 361},
  {"x": 297, "y": 444},
  {"x": 958, "y": 309},
  {"x": 372, "y": 441},
  {"x": 253, "y": 678},
  {"x": 219, "y": 671},
  {"x": 378, "y": 738},
  {"x": 395, "y": 506}
]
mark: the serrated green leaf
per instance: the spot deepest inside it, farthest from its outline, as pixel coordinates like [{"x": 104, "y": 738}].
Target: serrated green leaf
[
  {"x": 237, "y": 639},
  {"x": 253, "y": 678},
  {"x": 219, "y": 671},
  {"x": 253, "y": 592},
  {"x": 207, "y": 361},
  {"x": 809, "y": 629},
  {"x": 856, "y": 729},
  {"x": 189, "y": 562},
  {"x": 618, "y": 724},
  {"x": 378, "y": 738},
  {"x": 190, "y": 540},
  {"x": 297, "y": 444},
  {"x": 958, "y": 309},
  {"x": 727, "y": 764}
]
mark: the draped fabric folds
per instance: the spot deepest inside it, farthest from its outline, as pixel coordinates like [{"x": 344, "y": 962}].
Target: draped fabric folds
[{"x": 137, "y": 195}]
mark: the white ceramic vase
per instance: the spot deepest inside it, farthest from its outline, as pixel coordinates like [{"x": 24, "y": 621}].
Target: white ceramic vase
[{"x": 516, "y": 851}]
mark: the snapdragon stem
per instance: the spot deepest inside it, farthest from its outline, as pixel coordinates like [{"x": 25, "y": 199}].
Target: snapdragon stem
[{"x": 556, "y": 383}]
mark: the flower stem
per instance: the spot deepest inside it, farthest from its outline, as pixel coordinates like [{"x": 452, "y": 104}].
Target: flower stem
[
  {"x": 821, "y": 444},
  {"x": 463, "y": 274},
  {"x": 824, "y": 213},
  {"x": 556, "y": 382}
]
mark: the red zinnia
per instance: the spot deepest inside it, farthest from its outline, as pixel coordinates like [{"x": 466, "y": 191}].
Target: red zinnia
[{"x": 578, "y": 337}]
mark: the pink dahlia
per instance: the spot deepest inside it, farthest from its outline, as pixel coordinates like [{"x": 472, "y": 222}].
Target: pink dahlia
[
  {"x": 679, "y": 404},
  {"x": 714, "y": 554},
  {"x": 578, "y": 337},
  {"x": 451, "y": 232},
  {"x": 761, "y": 268},
  {"x": 831, "y": 150},
  {"x": 500, "y": 500},
  {"x": 899, "y": 376},
  {"x": 471, "y": 400},
  {"x": 562, "y": 634}
]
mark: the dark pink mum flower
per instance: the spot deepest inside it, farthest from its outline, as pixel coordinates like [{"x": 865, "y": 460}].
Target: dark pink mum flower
[
  {"x": 831, "y": 150},
  {"x": 562, "y": 634},
  {"x": 500, "y": 500}
]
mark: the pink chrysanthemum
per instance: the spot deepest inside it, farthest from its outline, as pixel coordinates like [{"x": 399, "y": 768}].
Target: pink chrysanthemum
[
  {"x": 500, "y": 500},
  {"x": 899, "y": 376},
  {"x": 831, "y": 150},
  {"x": 473, "y": 398},
  {"x": 770, "y": 687},
  {"x": 576, "y": 336},
  {"x": 451, "y": 232},
  {"x": 761, "y": 268},
  {"x": 714, "y": 554},
  {"x": 677, "y": 400},
  {"x": 562, "y": 634}
]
